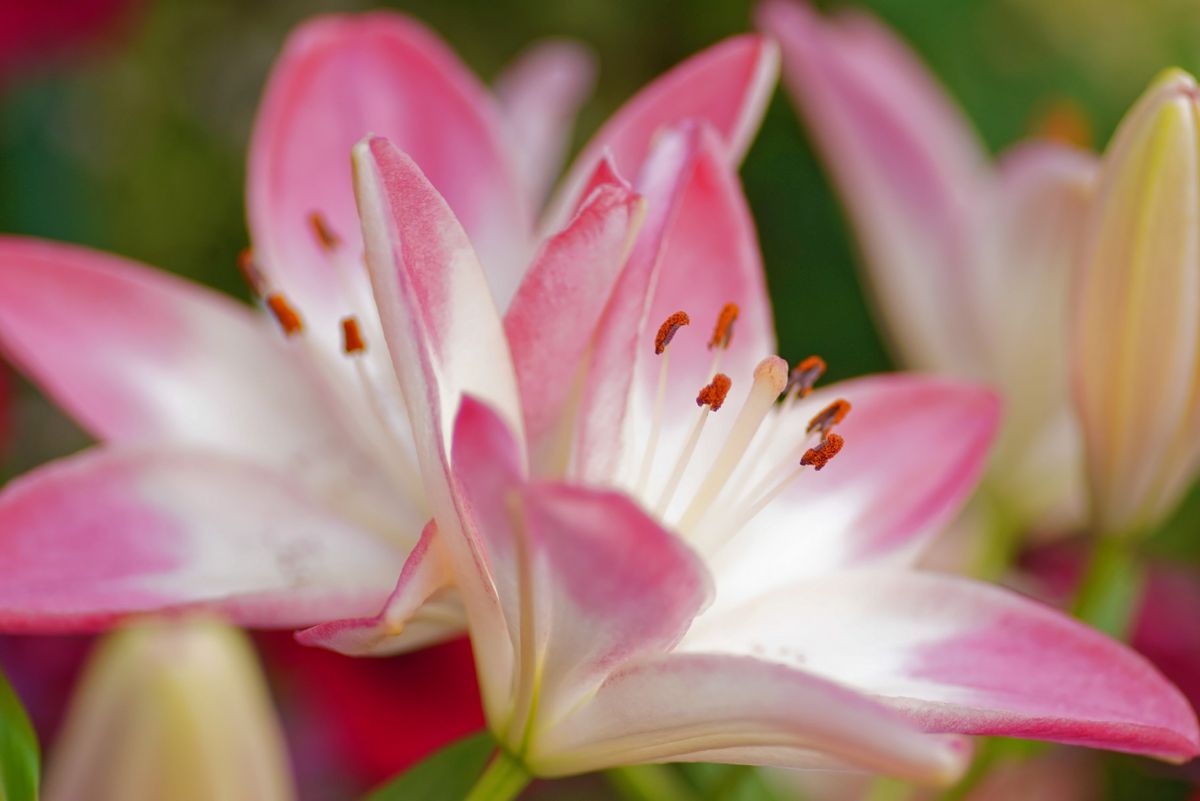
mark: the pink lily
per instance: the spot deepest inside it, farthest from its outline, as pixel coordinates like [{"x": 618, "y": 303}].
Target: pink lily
[
  {"x": 968, "y": 260},
  {"x": 635, "y": 594},
  {"x": 273, "y": 476}
]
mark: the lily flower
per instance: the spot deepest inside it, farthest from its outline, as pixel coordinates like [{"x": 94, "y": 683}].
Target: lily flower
[
  {"x": 171, "y": 709},
  {"x": 1136, "y": 337},
  {"x": 649, "y": 581},
  {"x": 266, "y": 467},
  {"x": 967, "y": 261}
]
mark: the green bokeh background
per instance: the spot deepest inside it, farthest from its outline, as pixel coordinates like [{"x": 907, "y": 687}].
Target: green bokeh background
[{"x": 137, "y": 147}]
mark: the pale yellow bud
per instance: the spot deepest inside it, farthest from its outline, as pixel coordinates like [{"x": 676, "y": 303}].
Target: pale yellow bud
[
  {"x": 171, "y": 709},
  {"x": 1136, "y": 337}
]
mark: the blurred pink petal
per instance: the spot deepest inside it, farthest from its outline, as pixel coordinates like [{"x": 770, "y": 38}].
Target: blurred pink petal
[
  {"x": 968, "y": 263},
  {"x": 540, "y": 94},
  {"x": 115, "y": 531},
  {"x": 340, "y": 78}
]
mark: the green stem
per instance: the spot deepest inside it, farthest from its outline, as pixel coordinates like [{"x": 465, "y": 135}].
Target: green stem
[
  {"x": 650, "y": 783},
  {"x": 885, "y": 789},
  {"x": 1108, "y": 594},
  {"x": 503, "y": 780},
  {"x": 1002, "y": 540}
]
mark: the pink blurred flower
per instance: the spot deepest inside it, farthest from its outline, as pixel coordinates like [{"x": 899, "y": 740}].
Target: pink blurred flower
[{"x": 968, "y": 260}]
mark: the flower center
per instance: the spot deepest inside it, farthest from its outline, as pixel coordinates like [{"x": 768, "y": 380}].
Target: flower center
[{"x": 736, "y": 479}]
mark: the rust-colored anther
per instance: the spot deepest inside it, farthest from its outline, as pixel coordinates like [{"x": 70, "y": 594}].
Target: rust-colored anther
[
  {"x": 321, "y": 230},
  {"x": 713, "y": 395},
  {"x": 723, "y": 331},
  {"x": 253, "y": 276},
  {"x": 805, "y": 376},
  {"x": 829, "y": 417},
  {"x": 666, "y": 331},
  {"x": 287, "y": 317},
  {"x": 352, "y": 341},
  {"x": 819, "y": 456}
]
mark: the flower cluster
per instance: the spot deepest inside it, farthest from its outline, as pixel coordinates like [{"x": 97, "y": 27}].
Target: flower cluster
[{"x": 562, "y": 426}]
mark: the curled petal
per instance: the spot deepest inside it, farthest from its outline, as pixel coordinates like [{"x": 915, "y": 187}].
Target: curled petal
[{"x": 420, "y": 611}]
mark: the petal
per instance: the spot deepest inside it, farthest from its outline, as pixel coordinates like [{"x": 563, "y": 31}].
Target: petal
[
  {"x": 113, "y": 532},
  {"x": 907, "y": 166},
  {"x": 554, "y": 314},
  {"x": 585, "y": 579},
  {"x": 540, "y": 94},
  {"x": 705, "y": 707},
  {"x": 697, "y": 251},
  {"x": 726, "y": 86},
  {"x": 956, "y": 655},
  {"x": 339, "y": 79},
  {"x": 419, "y": 612},
  {"x": 441, "y": 325},
  {"x": 1028, "y": 250},
  {"x": 915, "y": 449},
  {"x": 137, "y": 355}
]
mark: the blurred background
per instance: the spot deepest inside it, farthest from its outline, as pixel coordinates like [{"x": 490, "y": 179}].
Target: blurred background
[{"x": 124, "y": 123}]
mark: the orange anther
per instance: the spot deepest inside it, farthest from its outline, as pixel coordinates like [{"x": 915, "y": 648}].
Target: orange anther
[
  {"x": 253, "y": 276},
  {"x": 819, "y": 456},
  {"x": 287, "y": 317},
  {"x": 666, "y": 331},
  {"x": 828, "y": 417},
  {"x": 805, "y": 376},
  {"x": 352, "y": 341},
  {"x": 723, "y": 331},
  {"x": 321, "y": 230},
  {"x": 713, "y": 394}
]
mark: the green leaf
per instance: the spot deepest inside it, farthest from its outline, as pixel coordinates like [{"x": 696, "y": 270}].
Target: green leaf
[
  {"x": 447, "y": 775},
  {"x": 18, "y": 749}
]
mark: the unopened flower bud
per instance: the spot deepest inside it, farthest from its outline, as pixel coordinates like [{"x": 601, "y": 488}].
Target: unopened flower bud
[
  {"x": 171, "y": 709},
  {"x": 1136, "y": 328}
]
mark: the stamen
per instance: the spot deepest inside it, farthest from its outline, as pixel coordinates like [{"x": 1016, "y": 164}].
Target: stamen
[
  {"x": 819, "y": 456},
  {"x": 828, "y": 417},
  {"x": 711, "y": 398},
  {"x": 723, "y": 331},
  {"x": 251, "y": 274},
  {"x": 805, "y": 376},
  {"x": 662, "y": 341},
  {"x": 324, "y": 234},
  {"x": 770, "y": 377},
  {"x": 352, "y": 341},
  {"x": 713, "y": 394},
  {"x": 666, "y": 331},
  {"x": 287, "y": 317}
]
